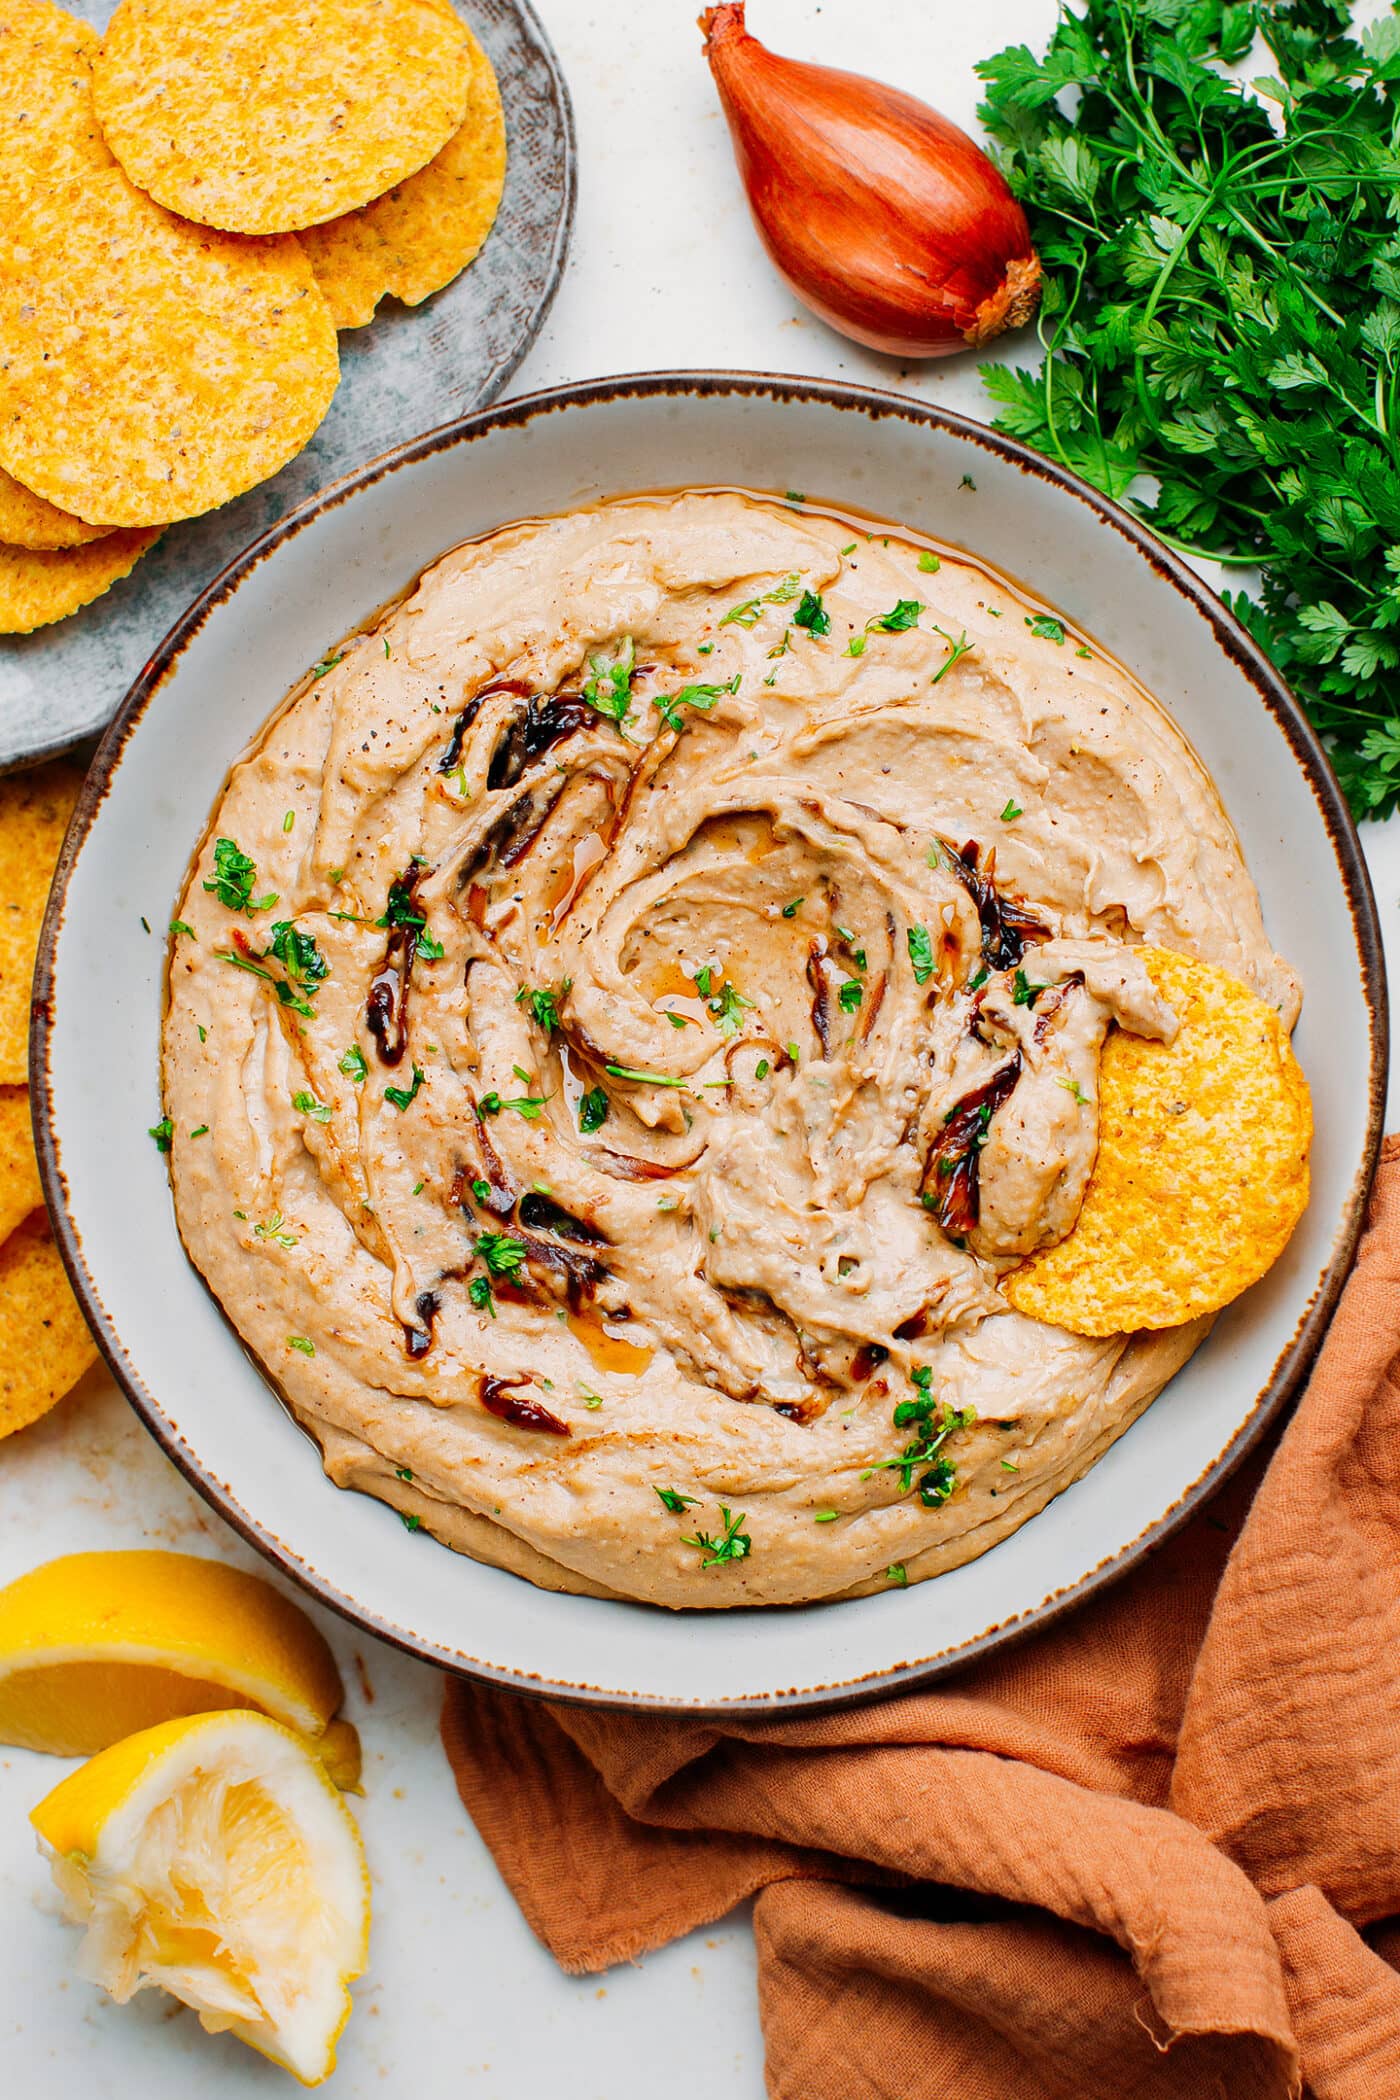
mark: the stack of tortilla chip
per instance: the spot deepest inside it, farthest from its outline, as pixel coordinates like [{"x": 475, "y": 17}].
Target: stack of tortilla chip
[
  {"x": 44, "y": 1343},
  {"x": 194, "y": 204}
]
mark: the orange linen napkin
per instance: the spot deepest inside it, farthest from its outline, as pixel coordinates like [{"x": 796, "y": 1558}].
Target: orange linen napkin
[{"x": 1146, "y": 1855}]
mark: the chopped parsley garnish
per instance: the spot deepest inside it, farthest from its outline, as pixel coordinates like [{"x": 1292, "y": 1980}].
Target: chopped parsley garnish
[
  {"x": 163, "y": 1132},
  {"x": 234, "y": 876},
  {"x": 796, "y": 496},
  {"x": 200, "y": 1130},
  {"x": 593, "y": 1111},
  {"x": 479, "y": 1292},
  {"x": 703, "y": 697},
  {"x": 289, "y": 820},
  {"x": 403, "y": 1472},
  {"x": 849, "y": 996},
  {"x": 934, "y": 1423},
  {"x": 544, "y": 1005},
  {"x": 975, "y": 983},
  {"x": 825, "y": 1516},
  {"x": 1023, "y": 992},
  {"x": 1072, "y": 1087},
  {"x": 501, "y": 1252},
  {"x": 353, "y": 1065},
  {"x": 783, "y": 593},
  {"x": 728, "y": 1008},
  {"x": 481, "y": 1190},
  {"x": 897, "y": 1573},
  {"x": 609, "y": 690},
  {"x": 1047, "y": 627},
  {"x": 921, "y": 954},
  {"x": 1011, "y": 811},
  {"x": 956, "y": 651},
  {"x": 327, "y": 663},
  {"x": 648, "y": 1078},
  {"x": 762, "y": 1069},
  {"x": 403, "y": 1097},
  {"x": 732, "y": 1544},
  {"x": 704, "y": 977},
  {"x": 526, "y": 1105},
  {"x": 307, "y": 1105},
  {"x": 848, "y": 550},
  {"x": 399, "y": 908},
  {"x": 812, "y": 614},
  {"x": 275, "y": 1231},
  {"x": 790, "y": 911},
  {"x": 856, "y": 645},
  {"x": 904, "y": 614},
  {"x": 303, "y": 1343},
  {"x": 179, "y": 926},
  {"x": 299, "y": 956},
  {"x": 409, "y": 1522},
  {"x": 592, "y": 1401},
  {"x": 745, "y": 614},
  {"x": 929, "y": 562},
  {"x": 967, "y": 482},
  {"x": 675, "y": 1502}
]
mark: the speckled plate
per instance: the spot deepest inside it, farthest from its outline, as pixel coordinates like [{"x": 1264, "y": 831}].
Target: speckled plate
[
  {"x": 410, "y": 370},
  {"x": 98, "y": 998}
]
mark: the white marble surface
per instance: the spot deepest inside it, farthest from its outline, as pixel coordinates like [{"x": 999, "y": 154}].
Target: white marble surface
[{"x": 459, "y": 1999}]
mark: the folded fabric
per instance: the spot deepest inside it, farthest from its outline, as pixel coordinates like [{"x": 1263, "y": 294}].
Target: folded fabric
[{"x": 1152, "y": 1853}]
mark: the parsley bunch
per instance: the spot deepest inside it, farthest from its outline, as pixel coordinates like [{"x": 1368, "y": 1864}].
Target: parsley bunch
[{"x": 1221, "y": 318}]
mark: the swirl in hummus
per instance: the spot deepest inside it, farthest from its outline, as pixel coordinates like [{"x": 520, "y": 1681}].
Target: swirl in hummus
[{"x": 631, "y": 1009}]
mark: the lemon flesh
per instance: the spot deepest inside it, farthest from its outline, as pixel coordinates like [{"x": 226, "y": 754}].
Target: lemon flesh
[
  {"x": 96, "y": 1646},
  {"x": 213, "y": 1857}
]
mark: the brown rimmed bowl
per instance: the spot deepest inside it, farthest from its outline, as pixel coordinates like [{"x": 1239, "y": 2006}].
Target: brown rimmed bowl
[{"x": 204, "y": 696}]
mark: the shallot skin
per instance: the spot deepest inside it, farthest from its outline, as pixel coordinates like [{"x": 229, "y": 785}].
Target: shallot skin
[{"x": 884, "y": 218}]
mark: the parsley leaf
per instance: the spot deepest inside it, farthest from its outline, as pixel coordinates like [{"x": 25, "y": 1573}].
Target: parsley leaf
[
  {"x": 234, "y": 876},
  {"x": 903, "y": 615},
  {"x": 479, "y": 1293},
  {"x": 849, "y": 996},
  {"x": 704, "y": 697},
  {"x": 921, "y": 953},
  {"x": 163, "y": 1132},
  {"x": 403, "y": 1097},
  {"x": 593, "y": 1111},
  {"x": 307, "y": 1105},
  {"x": 732, "y": 1544},
  {"x": 353, "y": 1065},
  {"x": 812, "y": 614},
  {"x": 609, "y": 690},
  {"x": 501, "y": 1252},
  {"x": 675, "y": 1502}
]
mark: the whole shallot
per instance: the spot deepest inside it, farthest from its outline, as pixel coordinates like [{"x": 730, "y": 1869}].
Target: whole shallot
[{"x": 883, "y": 217}]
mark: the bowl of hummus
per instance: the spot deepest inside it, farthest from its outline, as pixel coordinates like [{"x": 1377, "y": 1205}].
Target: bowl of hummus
[{"x": 644, "y": 955}]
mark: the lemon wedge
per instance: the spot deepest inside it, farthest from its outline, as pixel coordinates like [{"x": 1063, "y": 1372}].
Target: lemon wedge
[
  {"x": 97, "y": 1645},
  {"x": 213, "y": 1857}
]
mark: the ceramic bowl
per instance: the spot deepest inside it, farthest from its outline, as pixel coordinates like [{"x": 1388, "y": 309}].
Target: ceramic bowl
[{"x": 205, "y": 695}]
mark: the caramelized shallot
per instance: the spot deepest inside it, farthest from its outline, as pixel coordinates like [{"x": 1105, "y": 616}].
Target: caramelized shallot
[{"x": 883, "y": 217}]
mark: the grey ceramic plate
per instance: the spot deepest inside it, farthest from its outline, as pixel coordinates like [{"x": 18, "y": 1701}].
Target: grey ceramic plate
[
  {"x": 410, "y": 370},
  {"x": 98, "y": 996}
]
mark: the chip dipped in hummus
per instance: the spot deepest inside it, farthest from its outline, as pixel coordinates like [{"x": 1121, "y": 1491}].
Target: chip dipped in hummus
[{"x": 637, "y": 1008}]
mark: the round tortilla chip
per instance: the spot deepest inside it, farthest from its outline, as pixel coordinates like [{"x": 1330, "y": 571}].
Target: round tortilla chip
[
  {"x": 1202, "y": 1168},
  {"x": 26, "y": 520},
  {"x": 260, "y": 117},
  {"x": 20, "y": 1191},
  {"x": 46, "y": 92},
  {"x": 149, "y": 369},
  {"x": 424, "y": 233},
  {"x": 39, "y": 585},
  {"x": 45, "y": 1346},
  {"x": 34, "y": 812}
]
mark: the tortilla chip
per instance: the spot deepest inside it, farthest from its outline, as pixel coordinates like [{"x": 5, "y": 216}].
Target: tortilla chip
[
  {"x": 34, "y": 812},
  {"x": 1202, "y": 1169},
  {"x": 38, "y": 587},
  {"x": 46, "y": 92},
  {"x": 150, "y": 370},
  {"x": 424, "y": 233},
  {"x": 27, "y": 521},
  {"x": 260, "y": 117},
  {"x": 45, "y": 1346},
  {"x": 20, "y": 1191}
]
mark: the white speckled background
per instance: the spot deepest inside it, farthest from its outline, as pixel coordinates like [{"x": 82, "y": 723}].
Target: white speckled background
[{"x": 459, "y": 2000}]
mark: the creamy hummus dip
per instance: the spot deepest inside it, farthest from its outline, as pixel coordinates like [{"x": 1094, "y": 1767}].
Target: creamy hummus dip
[{"x": 633, "y": 1007}]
